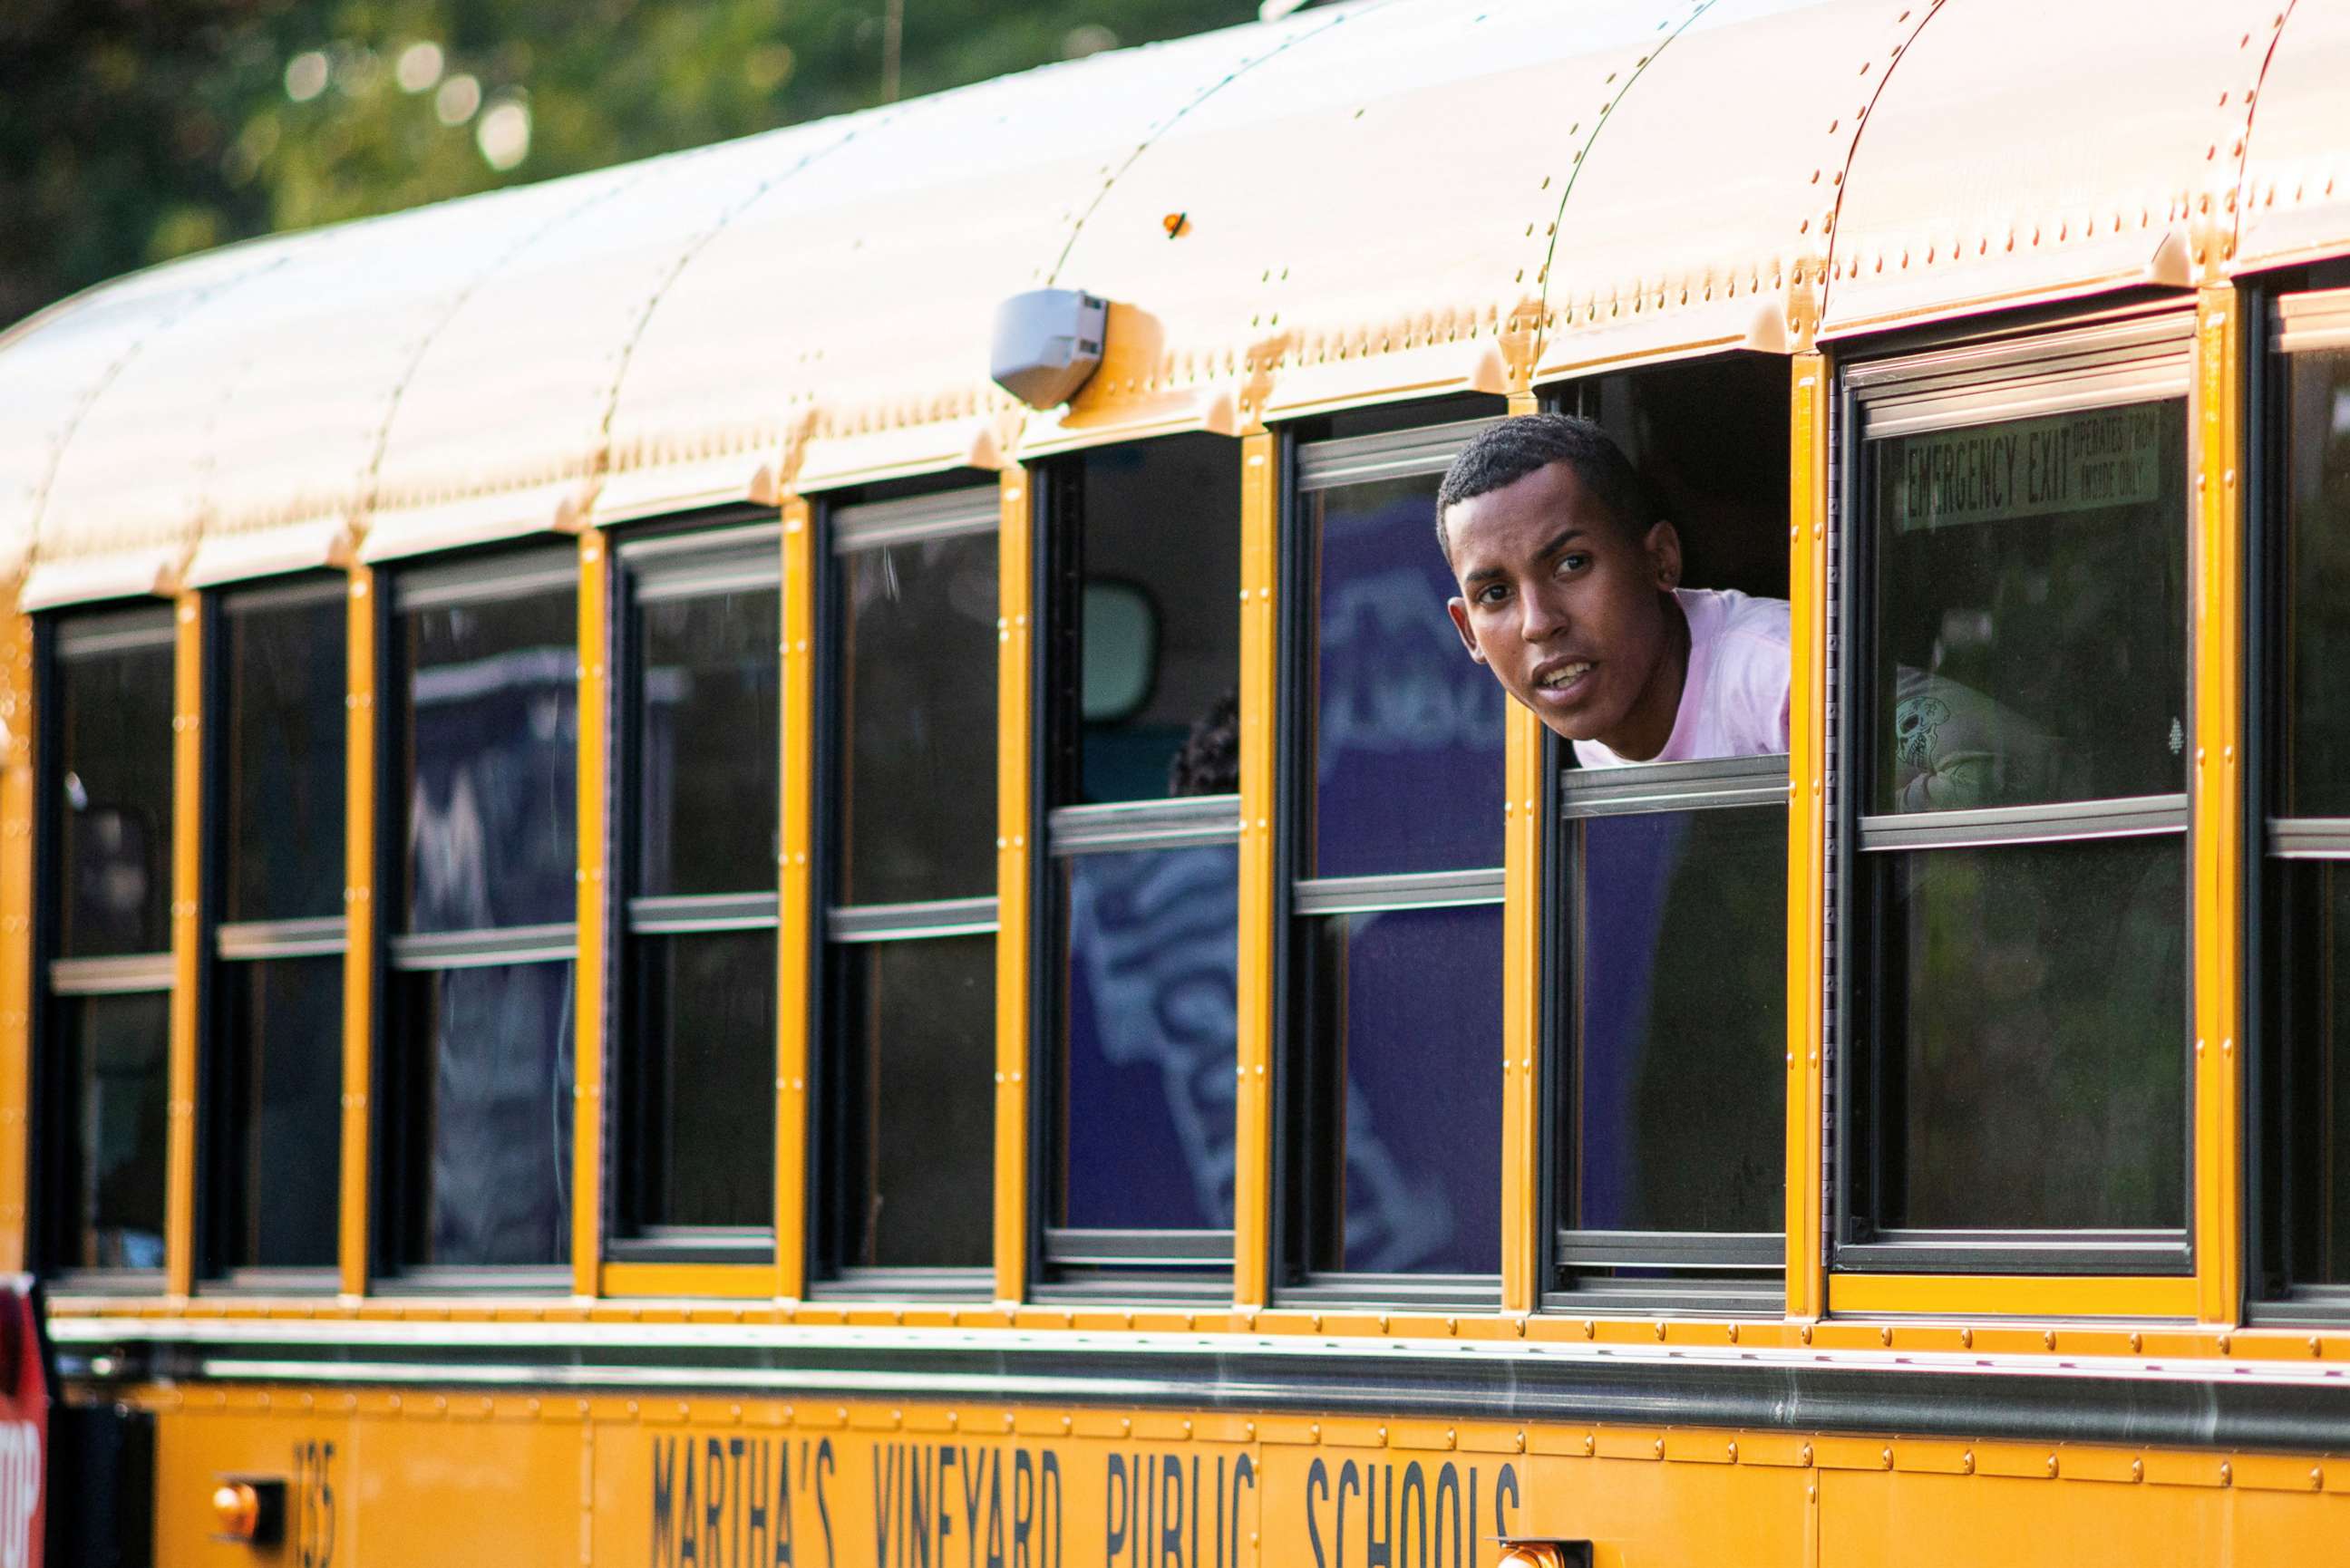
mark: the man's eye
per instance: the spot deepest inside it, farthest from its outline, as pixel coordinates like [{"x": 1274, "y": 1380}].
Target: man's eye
[
  {"x": 1574, "y": 561},
  {"x": 1492, "y": 594}
]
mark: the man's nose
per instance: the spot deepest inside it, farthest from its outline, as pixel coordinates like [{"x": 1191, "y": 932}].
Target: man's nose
[{"x": 1539, "y": 619}]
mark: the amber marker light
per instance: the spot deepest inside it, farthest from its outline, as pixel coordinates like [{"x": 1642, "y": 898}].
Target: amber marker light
[{"x": 248, "y": 1511}]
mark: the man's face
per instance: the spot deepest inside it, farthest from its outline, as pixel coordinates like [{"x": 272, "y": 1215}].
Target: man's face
[{"x": 1568, "y": 610}]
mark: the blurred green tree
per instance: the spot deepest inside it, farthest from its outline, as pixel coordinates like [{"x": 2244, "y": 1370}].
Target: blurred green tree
[{"x": 135, "y": 131}]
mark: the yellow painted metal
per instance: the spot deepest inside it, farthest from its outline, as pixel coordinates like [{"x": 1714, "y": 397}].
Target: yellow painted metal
[
  {"x": 590, "y": 1048},
  {"x": 360, "y": 916},
  {"x": 1014, "y": 782},
  {"x": 1260, "y": 870},
  {"x": 1807, "y": 470},
  {"x": 17, "y": 733},
  {"x": 796, "y": 906},
  {"x": 730, "y": 1281},
  {"x": 187, "y": 951},
  {"x": 1522, "y": 969},
  {"x": 386, "y": 1475},
  {"x": 2013, "y": 1295},
  {"x": 2218, "y": 800}
]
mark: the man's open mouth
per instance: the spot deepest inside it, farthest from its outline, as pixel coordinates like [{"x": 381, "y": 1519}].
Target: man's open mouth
[{"x": 1561, "y": 677}]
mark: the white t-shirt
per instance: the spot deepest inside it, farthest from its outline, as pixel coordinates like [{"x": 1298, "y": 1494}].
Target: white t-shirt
[{"x": 1734, "y": 693}]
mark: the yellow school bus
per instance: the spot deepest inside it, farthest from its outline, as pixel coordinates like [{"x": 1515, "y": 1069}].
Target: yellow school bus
[{"x": 643, "y": 922}]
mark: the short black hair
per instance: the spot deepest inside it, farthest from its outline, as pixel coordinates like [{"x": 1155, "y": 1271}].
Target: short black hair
[
  {"x": 1209, "y": 761},
  {"x": 1508, "y": 449}
]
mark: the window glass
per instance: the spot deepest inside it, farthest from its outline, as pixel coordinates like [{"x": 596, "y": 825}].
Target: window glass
[
  {"x": 2030, "y": 586},
  {"x": 701, "y": 1099},
  {"x": 116, "y": 1049},
  {"x": 707, "y": 746},
  {"x": 1416, "y": 1078},
  {"x": 1147, "y": 1102},
  {"x": 918, "y": 811},
  {"x": 493, "y": 762},
  {"x": 282, "y": 806},
  {"x": 1401, "y": 718},
  {"x": 2316, "y": 703},
  {"x": 1159, "y": 525},
  {"x": 2033, "y": 1016},
  {"x": 1677, "y": 1025},
  {"x": 2309, "y": 1066},
  {"x": 114, "y": 718},
  {"x": 490, "y": 1119},
  {"x": 284, "y": 1025},
  {"x": 918, "y": 1105}
]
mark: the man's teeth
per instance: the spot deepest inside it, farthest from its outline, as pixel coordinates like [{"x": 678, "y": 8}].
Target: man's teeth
[{"x": 1565, "y": 675}]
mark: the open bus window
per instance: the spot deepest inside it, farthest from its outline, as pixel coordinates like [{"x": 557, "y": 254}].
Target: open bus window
[
  {"x": 479, "y": 1017},
  {"x": 2017, "y": 723},
  {"x": 108, "y": 798},
  {"x": 907, "y": 1187},
  {"x": 275, "y": 1125},
  {"x": 700, "y": 698},
  {"x": 1666, "y": 992},
  {"x": 1142, "y": 633},
  {"x": 1395, "y": 1094},
  {"x": 2302, "y": 1064}
]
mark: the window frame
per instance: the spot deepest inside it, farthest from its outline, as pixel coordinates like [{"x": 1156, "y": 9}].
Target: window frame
[
  {"x": 1310, "y": 466},
  {"x": 731, "y": 550},
  {"x": 488, "y": 575},
  {"x": 957, "y": 506},
  {"x": 57, "y": 640},
  {"x": 235, "y": 943},
  {"x": 1742, "y": 1273},
  {"x": 1075, "y": 1263},
  {"x": 1955, "y": 381},
  {"x": 2277, "y": 325}
]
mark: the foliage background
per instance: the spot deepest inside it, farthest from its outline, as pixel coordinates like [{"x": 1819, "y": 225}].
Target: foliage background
[{"x": 135, "y": 131}]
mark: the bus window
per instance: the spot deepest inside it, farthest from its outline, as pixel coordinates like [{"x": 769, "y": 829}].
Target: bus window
[
  {"x": 1667, "y": 986},
  {"x": 2303, "y": 1064},
  {"x": 1669, "y": 996},
  {"x": 109, "y": 806},
  {"x": 1396, "y": 1029},
  {"x": 908, "y": 1161},
  {"x": 2016, "y": 718},
  {"x": 1142, "y": 732},
  {"x": 277, "y": 1047},
  {"x": 700, "y": 695},
  {"x": 479, "y": 1034}
]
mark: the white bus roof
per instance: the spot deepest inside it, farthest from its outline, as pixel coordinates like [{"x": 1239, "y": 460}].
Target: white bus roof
[{"x": 1380, "y": 200}]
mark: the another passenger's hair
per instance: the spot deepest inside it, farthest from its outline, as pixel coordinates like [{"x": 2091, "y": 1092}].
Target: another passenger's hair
[
  {"x": 1209, "y": 761},
  {"x": 1506, "y": 451}
]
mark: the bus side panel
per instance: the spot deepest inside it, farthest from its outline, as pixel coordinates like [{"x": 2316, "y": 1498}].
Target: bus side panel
[
  {"x": 655, "y": 1481},
  {"x": 891, "y": 1488},
  {"x": 1893, "y": 1519},
  {"x": 454, "y": 1478}
]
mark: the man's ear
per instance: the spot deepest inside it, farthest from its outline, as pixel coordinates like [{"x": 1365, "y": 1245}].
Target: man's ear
[
  {"x": 1663, "y": 545},
  {"x": 1459, "y": 609}
]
